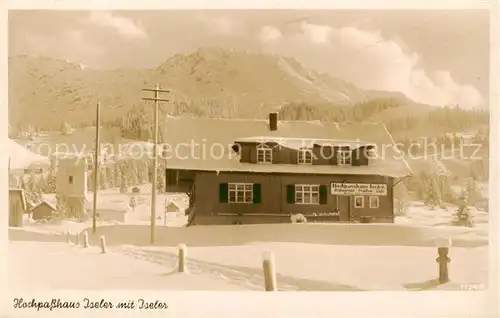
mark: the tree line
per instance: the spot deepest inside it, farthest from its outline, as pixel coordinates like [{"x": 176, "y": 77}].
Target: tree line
[
  {"x": 435, "y": 191},
  {"x": 126, "y": 173},
  {"x": 137, "y": 123}
]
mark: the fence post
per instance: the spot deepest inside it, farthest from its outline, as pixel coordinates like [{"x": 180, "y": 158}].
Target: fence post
[
  {"x": 77, "y": 239},
  {"x": 443, "y": 260},
  {"x": 269, "y": 271},
  {"x": 68, "y": 237},
  {"x": 85, "y": 239},
  {"x": 103, "y": 244},
  {"x": 182, "y": 258}
]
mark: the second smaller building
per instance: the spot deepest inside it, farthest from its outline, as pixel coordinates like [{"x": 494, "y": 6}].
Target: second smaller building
[{"x": 43, "y": 211}]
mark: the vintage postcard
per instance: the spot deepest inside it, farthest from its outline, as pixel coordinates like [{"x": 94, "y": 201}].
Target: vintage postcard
[{"x": 254, "y": 151}]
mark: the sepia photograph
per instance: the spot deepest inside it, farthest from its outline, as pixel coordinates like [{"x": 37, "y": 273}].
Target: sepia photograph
[{"x": 248, "y": 150}]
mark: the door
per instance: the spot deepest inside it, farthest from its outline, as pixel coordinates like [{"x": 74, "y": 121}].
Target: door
[{"x": 343, "y": 206}]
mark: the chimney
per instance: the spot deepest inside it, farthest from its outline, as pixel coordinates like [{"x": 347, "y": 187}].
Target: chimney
[{"x": 273, "y": 121}]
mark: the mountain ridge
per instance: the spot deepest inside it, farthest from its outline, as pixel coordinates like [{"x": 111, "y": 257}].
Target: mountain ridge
[{"x": 46, "y": 91}]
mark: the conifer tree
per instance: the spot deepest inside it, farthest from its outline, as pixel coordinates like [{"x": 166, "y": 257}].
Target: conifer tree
[
  {"x": 61, "y": 207},
  {"x": 472, "y": 192},
  {"x": 31, "y": 181},
  {"x": 134, "y": 178},
  {"x": 42, "y": 183},
  {"x": 133, "y": 202},
  {"x": 116, "y": 175},
  {"x": 141, "y": 175},
  {"x": 160, "y": 178},
  {"x": 123, "y": 183},
  {"x": 463, "y": 216},
  {"x": 432, "y": 195},
  {"x": 37, "y": 196},
  {"x": 420, "y": 182},
  {"x": 51, "y": 182},
  {"x": 102, "y": 179}
]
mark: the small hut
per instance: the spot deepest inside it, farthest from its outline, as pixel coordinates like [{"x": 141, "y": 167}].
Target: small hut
[
  {"x": 176, "y": 207},
  {"x": 172, "y": 207},
  {"x": 43, "y": 211}
]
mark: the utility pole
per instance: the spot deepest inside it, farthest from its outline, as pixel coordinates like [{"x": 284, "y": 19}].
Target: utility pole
[
  {"x": 156, "y": 99},
  {"x": 96, "y": 167}
]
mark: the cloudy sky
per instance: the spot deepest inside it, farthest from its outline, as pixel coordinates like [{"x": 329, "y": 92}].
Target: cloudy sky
[{"x": 434, "y": 57}]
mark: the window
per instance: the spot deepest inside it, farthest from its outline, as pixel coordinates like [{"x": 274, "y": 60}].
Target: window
[
  {"x": 374, "y": 202},
  {"x": 240, "y": 192},
  {"x": 70, "y": 180},
  {"x": 305, "y": 156},
  {"x": 343, "y": 157},
  {"x": 264, "y": 154},
  {"x": 306, "y": 194},
  {"x": 359, "y": 202}
]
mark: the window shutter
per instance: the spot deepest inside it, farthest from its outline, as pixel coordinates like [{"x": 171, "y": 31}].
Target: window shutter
[
  {"x": 223, "y": 193},
  {"x": 290, "y": 193},
  {"x": 355, "y": 157},
  {"x": 253, "y": 154},
  {"x": 335, "y": 153},
  {"x": 275, "y": 155},
  {"x": 323, "y": 194},
  {"x": 257, "y": 193}
]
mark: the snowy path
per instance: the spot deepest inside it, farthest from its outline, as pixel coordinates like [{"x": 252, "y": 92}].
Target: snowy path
[
  {"x": 37, "y": 265},
  {"x": 250, "y": 277},
  {"x": 316, "y": 267}
]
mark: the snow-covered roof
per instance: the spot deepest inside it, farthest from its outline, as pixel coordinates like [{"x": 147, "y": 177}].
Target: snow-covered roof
[
  {"x": 46, "y": 203},
  {"x": 23, "y": 158},
  {"x": 206, "y": 133}
]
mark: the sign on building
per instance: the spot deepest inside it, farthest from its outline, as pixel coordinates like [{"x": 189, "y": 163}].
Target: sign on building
[{"x": 345, "y": 188}]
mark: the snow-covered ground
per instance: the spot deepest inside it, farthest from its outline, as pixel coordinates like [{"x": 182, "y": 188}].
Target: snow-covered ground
[
  {"x": 112, "y": 198},
  {"x": 53, "y": 265},
  {"x": 419, "y": 214},
  {"x": 319, "y": 267},
  {"x": 308, "y": 257},
  {"x": 320, "y": 257},
  {"x": 315, "y": 267}
]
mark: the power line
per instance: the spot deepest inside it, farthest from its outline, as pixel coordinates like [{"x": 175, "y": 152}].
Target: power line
[
  {"x": 156, "y": 99},
  {"x": 96, "y": 167}
]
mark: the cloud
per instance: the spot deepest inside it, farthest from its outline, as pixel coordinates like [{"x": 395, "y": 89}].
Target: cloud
[
  {"x": 269, "y": 34},
  {"x": 218, "y": 25},
  {"x": 370, "y": 61},
  {"x": 70, "y": 44},
  {"x": 124, "y": 26}
]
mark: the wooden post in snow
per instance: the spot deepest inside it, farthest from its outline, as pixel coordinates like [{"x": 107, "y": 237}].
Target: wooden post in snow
[
  {"x": 182, "y": 258},
  {"x": 77, "y": 239},
  {"x": 85, "y": 239},
  {"x": 68, "y": 237},
  {"x": 103, "y": 244},
  {"x": 269, "y": 271},
  {"x": 443, "y": 260}
]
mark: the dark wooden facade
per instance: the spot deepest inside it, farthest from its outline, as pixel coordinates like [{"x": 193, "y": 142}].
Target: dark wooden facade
[
  {"x": 275, "y": 177},
  {"x": 273, "y": 202}
]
